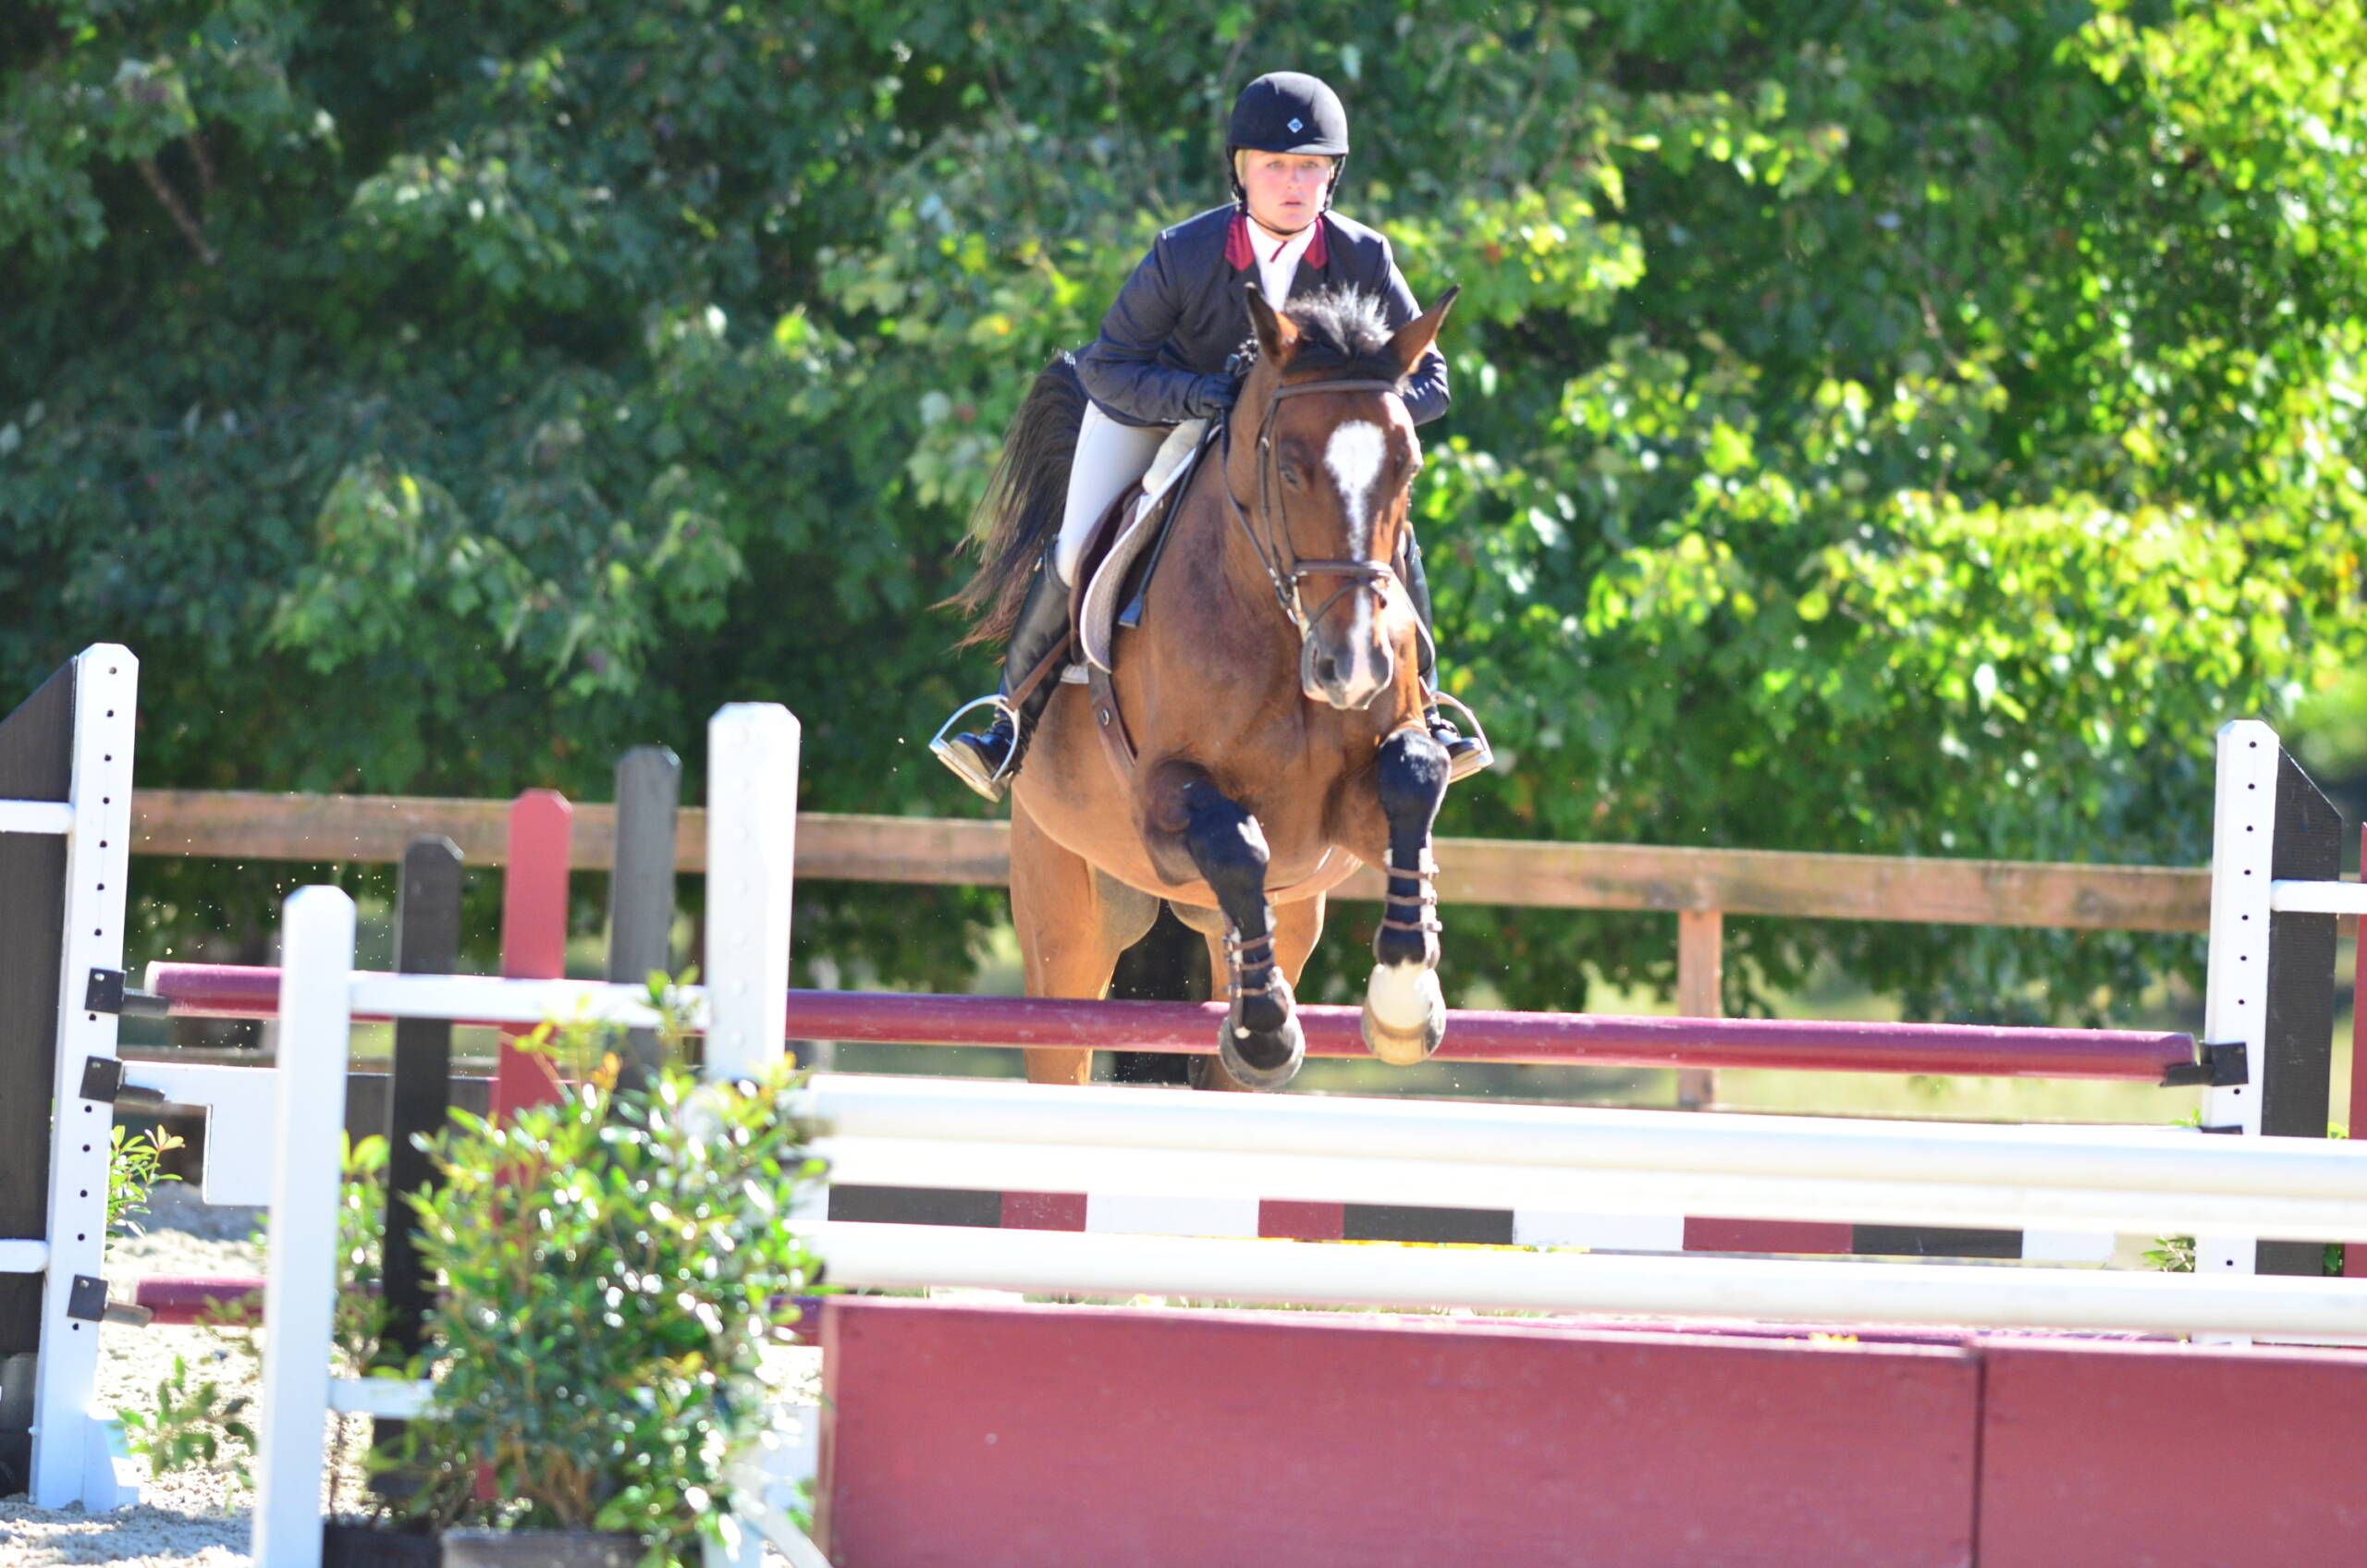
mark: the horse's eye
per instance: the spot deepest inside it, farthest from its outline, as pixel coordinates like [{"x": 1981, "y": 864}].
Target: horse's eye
[{"x": 1290, "y": 475}]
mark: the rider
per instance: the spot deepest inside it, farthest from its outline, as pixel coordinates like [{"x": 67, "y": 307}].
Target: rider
[{"x": 1164, "y": 356}]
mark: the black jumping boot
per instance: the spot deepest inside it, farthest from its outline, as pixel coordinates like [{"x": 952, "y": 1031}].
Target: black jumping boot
[
  {"x": 986, "y": 761},
  {"x": 1465, "y": 754}
]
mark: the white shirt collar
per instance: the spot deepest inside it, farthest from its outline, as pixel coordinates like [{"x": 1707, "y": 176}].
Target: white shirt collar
[{"x": 1277, "y": 268}]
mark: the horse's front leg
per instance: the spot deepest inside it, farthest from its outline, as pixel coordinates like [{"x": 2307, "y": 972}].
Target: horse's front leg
[
  {"x": 1297, "y": 926},
  {"x": 1260, "y": 1042},
  {"x": 1405, "y": 1011}
]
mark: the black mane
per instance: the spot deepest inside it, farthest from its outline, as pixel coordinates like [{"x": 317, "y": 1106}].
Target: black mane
[{"x": 1343, "y": 333}]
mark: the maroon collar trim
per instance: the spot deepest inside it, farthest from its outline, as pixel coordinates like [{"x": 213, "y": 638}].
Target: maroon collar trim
[
  {"x": 1240, "y": 255},
  {"x": 1237, "y": 253}
]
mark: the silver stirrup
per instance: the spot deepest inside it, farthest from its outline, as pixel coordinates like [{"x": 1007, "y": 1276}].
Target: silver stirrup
[
  {"x": 965, "y": 766},
  {"x": 1470, "y": 762}
]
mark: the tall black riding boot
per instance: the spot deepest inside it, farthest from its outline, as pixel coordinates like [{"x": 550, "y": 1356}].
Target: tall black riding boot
[
  {"x": 1465, "y": 754},
  {"x": 987, "y": 760}
]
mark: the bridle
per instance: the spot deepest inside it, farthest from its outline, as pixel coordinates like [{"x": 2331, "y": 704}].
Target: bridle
[{"x": 1283, "y": 571}]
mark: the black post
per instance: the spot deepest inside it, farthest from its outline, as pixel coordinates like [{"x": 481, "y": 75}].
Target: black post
[
  {"x": 418, "y": 1100},
  {"x": 2297, "y": 1035},
  {"x": 641, "y": 886},
  {"x": 36, "y": 763}
]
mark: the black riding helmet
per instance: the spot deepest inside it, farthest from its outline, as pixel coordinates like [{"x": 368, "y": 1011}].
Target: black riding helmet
[{"x": 1287, "y": 112}]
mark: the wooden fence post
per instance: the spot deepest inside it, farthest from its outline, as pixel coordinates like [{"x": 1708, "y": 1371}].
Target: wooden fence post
[
  {"x": 419, "y": 1099},
  {"x": 533, "y": 933},
  {"x": 1700, "y": 958},
  {"x": 641, "y": 886}
]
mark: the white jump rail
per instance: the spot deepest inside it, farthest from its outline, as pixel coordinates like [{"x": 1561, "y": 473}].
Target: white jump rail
[
  {"x": 24, "y": 1257},
  {"x": 1023, "y": 1137},
  {"x": 1986, "y": 1295},
  {"x": 2318, "y": 898},
  {"x": 50, "y": 817}
]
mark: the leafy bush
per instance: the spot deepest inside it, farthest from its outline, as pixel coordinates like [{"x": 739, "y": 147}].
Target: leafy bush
[
  {"x": 613, "y": 1267},
  {"x": 132, "y": 1173}
]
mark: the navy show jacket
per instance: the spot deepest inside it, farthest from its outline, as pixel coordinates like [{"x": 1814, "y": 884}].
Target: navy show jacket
[{"x": 1182, "y": 314}]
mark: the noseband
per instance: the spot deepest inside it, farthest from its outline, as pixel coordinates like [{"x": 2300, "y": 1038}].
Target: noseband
[{"x": 1285, "y": 571}]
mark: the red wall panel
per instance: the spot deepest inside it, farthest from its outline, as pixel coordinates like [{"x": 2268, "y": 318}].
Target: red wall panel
[
  {"x": 2172, "y": 1456},
  {"x": 1054, "y": 1435}
]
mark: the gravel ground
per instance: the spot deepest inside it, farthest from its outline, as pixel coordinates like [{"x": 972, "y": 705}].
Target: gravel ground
[
  {"x": 188, "y": 1519},
  {"x": 191, "y": 1519}
]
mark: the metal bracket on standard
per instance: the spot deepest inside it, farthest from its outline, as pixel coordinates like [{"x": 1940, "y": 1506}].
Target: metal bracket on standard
[
  {"x": 86, "y": 1300},
  {"x": 103, "y": 1080},
  {"x": 106, "y": 993},
  {"x": 2220, "y": 1065}
]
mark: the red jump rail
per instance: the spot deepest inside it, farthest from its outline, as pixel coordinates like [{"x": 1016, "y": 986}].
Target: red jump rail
[{"x": 207, "y": 990}]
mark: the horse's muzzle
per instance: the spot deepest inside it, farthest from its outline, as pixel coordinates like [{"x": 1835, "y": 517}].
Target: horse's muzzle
[
  {"x": 1344, "y": 665},
  {"x": 1348, "y": 676}
]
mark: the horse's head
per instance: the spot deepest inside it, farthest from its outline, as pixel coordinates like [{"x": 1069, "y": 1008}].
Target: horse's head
[{"x": 1329, "y": 452}]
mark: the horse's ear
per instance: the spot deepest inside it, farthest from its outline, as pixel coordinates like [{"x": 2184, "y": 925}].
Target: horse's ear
[
  {"x": 1410, "y": 342},
  {"x": 1277, "y": 336}
]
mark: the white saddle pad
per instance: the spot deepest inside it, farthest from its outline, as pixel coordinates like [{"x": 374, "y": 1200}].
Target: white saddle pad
[{"x": 1097, "y": 618}]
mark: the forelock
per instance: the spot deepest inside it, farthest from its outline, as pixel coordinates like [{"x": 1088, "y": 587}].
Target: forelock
[{"x": 1342, "y": 331}]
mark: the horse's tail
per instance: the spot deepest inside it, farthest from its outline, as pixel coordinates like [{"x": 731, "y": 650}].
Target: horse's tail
[{"x": 1019, "y": 513}]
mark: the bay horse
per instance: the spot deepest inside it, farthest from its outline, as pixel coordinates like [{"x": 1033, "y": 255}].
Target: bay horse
[{"x": 1261, "y": 731}]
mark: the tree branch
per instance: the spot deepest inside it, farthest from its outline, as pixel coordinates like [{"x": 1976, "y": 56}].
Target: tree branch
[
  {"x": 193, "y": 230},
  {"x": 204, "y": 161}
]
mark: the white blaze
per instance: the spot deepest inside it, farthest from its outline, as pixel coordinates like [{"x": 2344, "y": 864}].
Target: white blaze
[{"x": 1355, "y": 458}]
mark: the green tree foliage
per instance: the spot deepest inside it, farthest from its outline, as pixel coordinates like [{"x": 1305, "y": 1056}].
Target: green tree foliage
[{"x": 1901, "y": 427}]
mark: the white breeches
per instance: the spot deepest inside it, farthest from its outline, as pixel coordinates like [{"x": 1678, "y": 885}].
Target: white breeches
[{"x": 1111, "y": 458}]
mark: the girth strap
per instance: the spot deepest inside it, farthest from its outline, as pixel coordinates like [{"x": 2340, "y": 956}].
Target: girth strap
[{"x": 1110, "y": 722}]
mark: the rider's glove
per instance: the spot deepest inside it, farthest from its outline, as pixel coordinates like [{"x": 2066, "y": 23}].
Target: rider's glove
[{"x": 1211, "y": 395}]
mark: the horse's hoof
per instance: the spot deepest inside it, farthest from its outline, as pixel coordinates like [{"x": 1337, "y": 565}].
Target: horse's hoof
[
  {"x": 1405, "y": 1013},
  {"x": 1265, "y": 1061}
]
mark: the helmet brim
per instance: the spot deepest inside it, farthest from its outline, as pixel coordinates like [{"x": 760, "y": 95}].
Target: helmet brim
[{"x": 1321, "y": 149}]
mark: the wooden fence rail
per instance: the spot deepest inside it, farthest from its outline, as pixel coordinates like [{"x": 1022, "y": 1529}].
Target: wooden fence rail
[
  {"x": 1483, "y": 871},
  {"x": 1700, "y": 886}
]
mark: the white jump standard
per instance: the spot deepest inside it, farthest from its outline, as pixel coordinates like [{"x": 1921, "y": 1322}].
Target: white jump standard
[
  {"x": 752, "y": 752},
  {"x": 65, "y": 854}
]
